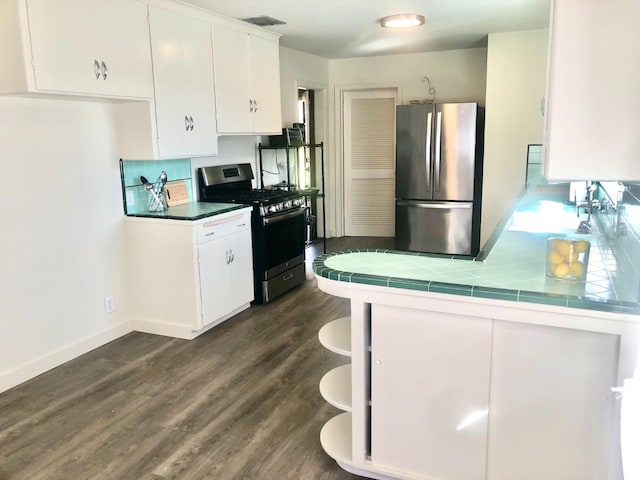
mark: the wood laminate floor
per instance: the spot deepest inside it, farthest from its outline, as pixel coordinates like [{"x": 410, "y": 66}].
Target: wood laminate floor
[{"x": 239, "y": 402}]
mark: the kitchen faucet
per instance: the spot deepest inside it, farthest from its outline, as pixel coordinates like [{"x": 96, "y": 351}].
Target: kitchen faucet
[{"x": 588, "y": 203}]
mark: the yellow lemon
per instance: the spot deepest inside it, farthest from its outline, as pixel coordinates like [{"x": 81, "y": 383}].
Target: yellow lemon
[
  {"x": 572, "y": 258},
  {"x": 561, "y": 270},
  {"x": 577, "y": 269},
  {"x": 563, "y": 247},
  {"x": 580, "y": 246},
  {"x": 555, "y": 258}
]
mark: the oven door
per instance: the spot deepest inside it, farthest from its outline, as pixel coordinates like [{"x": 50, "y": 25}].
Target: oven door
[{"x": 283, "y": 241}]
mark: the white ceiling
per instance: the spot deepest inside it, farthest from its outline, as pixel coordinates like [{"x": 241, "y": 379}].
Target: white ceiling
[{"x": 350, "y": 28}]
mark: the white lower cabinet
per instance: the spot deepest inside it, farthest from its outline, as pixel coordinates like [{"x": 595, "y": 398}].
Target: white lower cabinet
[
  {"x": 453, "y": 397},
  {"x": 552, "y": 410},
  {"x": 224, "y": 266},
  {"x": 429, "y": 392},
  {"x": 189, "y": 276}
]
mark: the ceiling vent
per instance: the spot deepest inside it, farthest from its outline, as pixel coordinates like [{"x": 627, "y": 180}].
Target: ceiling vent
[{"x": 264, "y": 21}]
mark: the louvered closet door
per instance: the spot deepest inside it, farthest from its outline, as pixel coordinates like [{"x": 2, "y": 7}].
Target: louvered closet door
[{"x": 369, "y": 162}]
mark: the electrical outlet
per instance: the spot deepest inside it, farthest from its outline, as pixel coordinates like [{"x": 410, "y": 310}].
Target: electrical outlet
[{"x": 109, "y": 306}]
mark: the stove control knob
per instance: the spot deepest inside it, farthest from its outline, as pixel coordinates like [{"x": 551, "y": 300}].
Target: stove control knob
[
  {"x": 273, "y": 209},
  {"x": 287, "y": 204}
]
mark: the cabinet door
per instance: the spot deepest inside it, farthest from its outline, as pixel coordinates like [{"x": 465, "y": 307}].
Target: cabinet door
[
  {"x": 429, "y": 392},
  {"x": 592, "y": 117},
  {"x": 73, "y": 41},
  {"x": 241, "y": 268},
  {"x": 213, "y": 259},
  {"x": 551, "y": 405},
  {"x": 183, "y": 84},
  {"x": 231, "y": 66},
  {"x": 265, "y": 85}
]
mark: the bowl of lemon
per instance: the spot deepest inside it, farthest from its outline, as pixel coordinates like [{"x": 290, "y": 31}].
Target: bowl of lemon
[{"x": 567, "y": 259}]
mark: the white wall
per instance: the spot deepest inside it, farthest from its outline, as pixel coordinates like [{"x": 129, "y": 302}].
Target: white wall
[
  {"x": 303, "y": 70},
  {"x": 299, "y": 69},
  {"x": 516, "y": 73},
  {"x": 62, "y": 234},
  {"x": 456, "y": 75}
]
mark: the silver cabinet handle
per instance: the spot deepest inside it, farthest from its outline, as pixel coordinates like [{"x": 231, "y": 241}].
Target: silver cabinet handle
[
  {"x": 226, "y": 253},
  {"x": 105, "y": 71},
  {"x": 96, "y": 68},
  {"x": 427, "y": 155},
  {"x": 438, "y": 152},
  {"x": 186, "y": 123},
  {"x": 250, "y": 105},
  {"x": 190, "y": 123},
  {"x": 255, "y": 105},
  {"x": 440, "y": 205}
]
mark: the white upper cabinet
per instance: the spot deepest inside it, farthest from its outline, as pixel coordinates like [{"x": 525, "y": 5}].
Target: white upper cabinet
[
  {"x": 592, "y": 117},
  {"x": 247, "y": 75},
  {"x": 183, "y": 84},
  {"x": 80, "y": 47}
]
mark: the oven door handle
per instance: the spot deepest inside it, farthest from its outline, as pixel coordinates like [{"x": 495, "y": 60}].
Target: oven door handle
[{"x": 281, "y": 217}]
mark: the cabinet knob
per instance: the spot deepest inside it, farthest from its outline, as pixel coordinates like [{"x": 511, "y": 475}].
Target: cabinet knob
[{"x": 378, "y": 361}]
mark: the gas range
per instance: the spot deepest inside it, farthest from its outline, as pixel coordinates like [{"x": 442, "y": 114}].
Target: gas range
[
  {"x": 232, "y": 184},
  {"x": 267, "y": 202}
]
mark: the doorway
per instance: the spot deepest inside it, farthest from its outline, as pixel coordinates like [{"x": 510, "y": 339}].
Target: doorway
[{"x": 369, "y": 162}]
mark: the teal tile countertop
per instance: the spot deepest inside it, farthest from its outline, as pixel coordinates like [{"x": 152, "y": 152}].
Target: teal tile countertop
[
  {"x": 191, "y": 211},
  {"x": 513, "y": 270}
]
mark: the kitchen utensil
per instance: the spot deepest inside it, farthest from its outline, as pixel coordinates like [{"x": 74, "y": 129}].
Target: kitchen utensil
[
  {"x": 155, "y": 202},
  {"x": 143, "y": 179}
]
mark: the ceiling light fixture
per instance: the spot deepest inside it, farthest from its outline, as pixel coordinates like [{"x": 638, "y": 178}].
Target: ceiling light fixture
[{"x": 403, "y": 20}]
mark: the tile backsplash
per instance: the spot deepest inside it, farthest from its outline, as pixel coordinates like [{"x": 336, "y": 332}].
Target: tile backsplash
[
  {"x": 135, "y": 197},
  {"x": 618, "y": 227}
]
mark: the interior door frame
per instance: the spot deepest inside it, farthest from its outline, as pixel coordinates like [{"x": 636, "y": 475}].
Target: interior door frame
[
  {"x": 321, "y": 107},
  {"x": 338, "y": 173}
]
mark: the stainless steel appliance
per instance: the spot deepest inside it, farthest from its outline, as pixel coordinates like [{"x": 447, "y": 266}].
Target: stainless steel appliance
[
  {"x": 277, "y": 224},
  {"x": 439, "y": 177}
]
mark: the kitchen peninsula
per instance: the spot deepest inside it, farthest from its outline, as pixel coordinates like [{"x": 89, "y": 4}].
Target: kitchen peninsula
[{"x": 481, "y": 369}]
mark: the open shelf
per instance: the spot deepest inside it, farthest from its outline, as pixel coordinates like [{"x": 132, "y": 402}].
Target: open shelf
[
  {"x": 336, "y": 336},
  {"x": 335, "y": 387},
  {"x": 335, "y": 438}
]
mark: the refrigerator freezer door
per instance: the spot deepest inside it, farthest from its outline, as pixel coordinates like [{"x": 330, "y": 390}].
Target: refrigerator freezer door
[
  {"x": 414, "y": 166},
  {"x": 434, "y": 227},
  {"x": 454, "y": 151}
]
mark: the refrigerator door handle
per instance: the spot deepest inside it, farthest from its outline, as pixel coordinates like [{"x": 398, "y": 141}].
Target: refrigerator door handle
[
  {"x": 438, "y": 141},
  {"x": 427, "y": 154},
  {"x": 442, "y": 205}
]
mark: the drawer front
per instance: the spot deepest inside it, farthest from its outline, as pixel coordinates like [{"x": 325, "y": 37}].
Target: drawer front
[{"x": 222, "y": 226}]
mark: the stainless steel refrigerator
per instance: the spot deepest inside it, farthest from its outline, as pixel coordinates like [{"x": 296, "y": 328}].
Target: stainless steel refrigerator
[{"x": 439, "y": 177}]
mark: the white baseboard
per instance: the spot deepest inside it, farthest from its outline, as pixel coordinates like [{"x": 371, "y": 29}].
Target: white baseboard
[
  {"x": 41, "y": 364},
  {"x": 148, "y": 325}
]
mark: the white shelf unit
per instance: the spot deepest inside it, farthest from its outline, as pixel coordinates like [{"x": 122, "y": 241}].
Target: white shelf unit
[
  {"x": 336, "y": 336},
  {"x": 335, "y": 438},
  {"x": 335, "y": 387}
]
